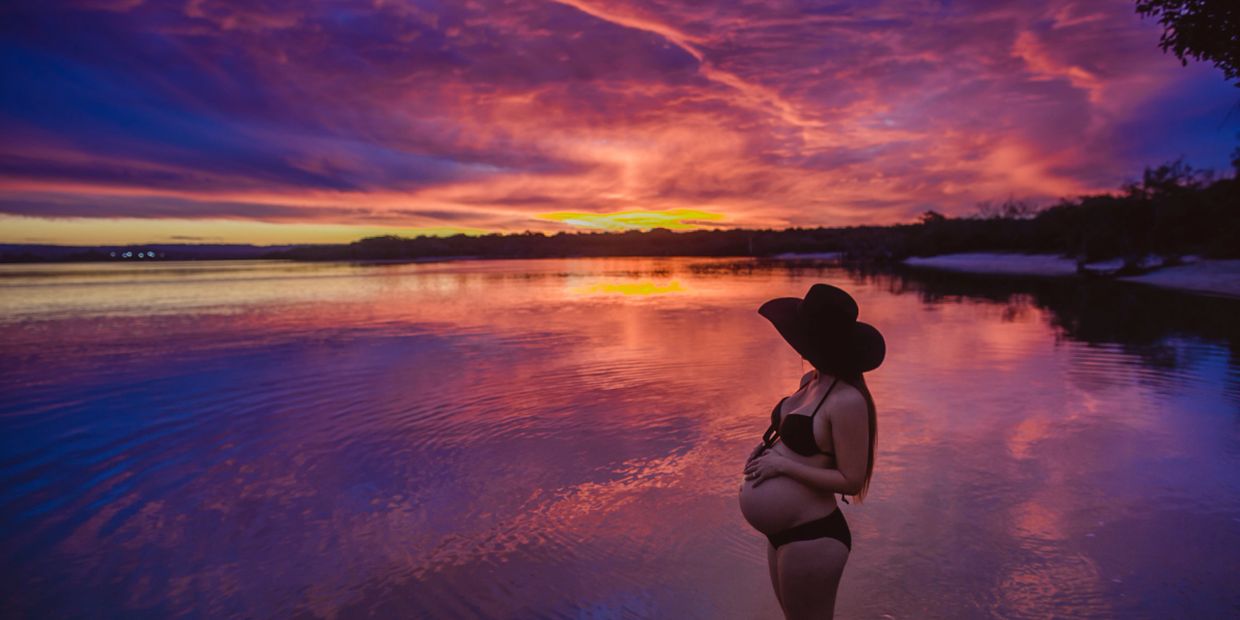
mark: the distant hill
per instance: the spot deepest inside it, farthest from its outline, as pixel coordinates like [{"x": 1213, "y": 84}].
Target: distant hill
[{"x": 41, "y": 253}]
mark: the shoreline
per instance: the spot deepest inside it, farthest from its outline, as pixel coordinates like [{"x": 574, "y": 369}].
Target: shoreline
[{"x": 1220, "y": 277}]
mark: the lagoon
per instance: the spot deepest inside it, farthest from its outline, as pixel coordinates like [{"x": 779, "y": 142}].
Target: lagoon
[{"x": 564, "y": 438}]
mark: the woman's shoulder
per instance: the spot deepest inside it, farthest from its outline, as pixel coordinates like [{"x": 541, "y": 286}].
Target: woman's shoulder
[{"x": 846, "y": 399}]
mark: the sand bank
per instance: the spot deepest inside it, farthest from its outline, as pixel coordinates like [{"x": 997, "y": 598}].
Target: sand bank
[
  {"x": 1219, "y": 277},
  {"x": 1000, "y": 263},
  {"x": 809, "y": 256}
]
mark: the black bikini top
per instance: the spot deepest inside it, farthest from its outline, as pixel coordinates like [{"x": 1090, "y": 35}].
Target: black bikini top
[{"x": 797, "y": 429}]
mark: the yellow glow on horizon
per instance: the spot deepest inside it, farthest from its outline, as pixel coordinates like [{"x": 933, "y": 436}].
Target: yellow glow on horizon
[
  {"x": 631, "y": 288},
  {"x": 672, "y": 219},
  {"x": 123, "y": 231}
]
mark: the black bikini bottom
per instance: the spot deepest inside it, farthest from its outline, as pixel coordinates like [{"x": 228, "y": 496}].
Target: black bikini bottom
[{"x": 830, "y": 526}]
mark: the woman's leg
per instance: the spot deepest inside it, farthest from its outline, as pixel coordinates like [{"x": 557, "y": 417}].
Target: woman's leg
[
  {"x": 809, "y": 574},
  {"x": 772, "y": 562}
]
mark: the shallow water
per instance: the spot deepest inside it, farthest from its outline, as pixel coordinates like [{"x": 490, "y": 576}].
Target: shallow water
[{"x": 565, "y": 438}]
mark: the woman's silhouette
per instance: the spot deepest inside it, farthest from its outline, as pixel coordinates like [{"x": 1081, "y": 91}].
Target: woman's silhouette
[{"x": 820, "y": 442}]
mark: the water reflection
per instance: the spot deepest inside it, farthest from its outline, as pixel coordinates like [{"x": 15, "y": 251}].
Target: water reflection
[
  {"x": 631, "y": 288},
  {"x": 564, "y": 438}
]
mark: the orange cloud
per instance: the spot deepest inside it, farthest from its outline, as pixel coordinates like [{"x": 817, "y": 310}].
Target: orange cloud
[{"x": 487, "y": 117}]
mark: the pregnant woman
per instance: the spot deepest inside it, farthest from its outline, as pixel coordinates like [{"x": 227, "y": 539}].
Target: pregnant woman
[{"x": 820, "y": 442}]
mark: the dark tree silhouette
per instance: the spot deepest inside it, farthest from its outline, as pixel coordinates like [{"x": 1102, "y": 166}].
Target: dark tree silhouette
[{"x": 1203, "y": 29}]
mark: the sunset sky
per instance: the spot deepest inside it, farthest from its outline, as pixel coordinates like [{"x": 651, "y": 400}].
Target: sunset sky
[{"x": 260, "y": 121}]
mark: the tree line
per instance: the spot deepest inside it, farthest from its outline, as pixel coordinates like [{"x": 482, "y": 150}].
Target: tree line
[{"x": 1172, "y": 211}]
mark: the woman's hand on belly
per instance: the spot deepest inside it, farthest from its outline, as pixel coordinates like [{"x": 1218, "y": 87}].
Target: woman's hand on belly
[{"x": 766, "y": 465}]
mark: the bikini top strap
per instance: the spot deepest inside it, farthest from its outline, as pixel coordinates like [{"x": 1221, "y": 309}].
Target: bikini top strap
[
  {"x": 824, "y": 397},
  {"x": 772, "y": 431},
  {"x": 775, "y": 411},
  {"x": 769, "y": 436}
]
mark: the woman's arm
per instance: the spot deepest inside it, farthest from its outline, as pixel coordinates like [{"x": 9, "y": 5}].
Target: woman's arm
[{"x": 832, "y": 480}]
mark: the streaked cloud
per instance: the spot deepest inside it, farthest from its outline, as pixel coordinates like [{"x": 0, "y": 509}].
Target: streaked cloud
[{"x": 505, "y": 115}]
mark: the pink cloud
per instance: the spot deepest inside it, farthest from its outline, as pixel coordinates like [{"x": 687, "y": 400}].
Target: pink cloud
[{"x": 490, "y": 113}]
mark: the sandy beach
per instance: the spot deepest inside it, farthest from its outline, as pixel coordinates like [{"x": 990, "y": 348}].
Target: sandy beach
[
  {"x": 1208, "y": 276},
  {"x": 998, "y": 263},
  {"x": 809, "y": 256}
]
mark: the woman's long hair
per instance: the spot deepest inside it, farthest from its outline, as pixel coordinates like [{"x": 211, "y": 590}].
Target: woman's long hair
[{"x": 857, "y": 380}]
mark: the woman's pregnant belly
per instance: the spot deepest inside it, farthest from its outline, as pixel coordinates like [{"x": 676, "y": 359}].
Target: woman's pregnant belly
[{"x": 782, "y": 502}]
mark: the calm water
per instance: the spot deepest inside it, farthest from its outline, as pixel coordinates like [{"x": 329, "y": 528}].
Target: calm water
[{"x": 565, "y": 439}]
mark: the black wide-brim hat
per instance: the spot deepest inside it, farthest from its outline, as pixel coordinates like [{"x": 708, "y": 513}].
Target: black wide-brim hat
[{"x": 824, "y": 329}]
